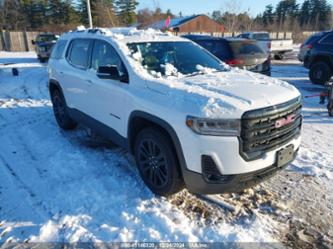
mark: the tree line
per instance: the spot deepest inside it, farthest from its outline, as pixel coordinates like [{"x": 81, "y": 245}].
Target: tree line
[
  {"x": 65, "y": 14},
  {"x": 61, "y": 15},
  {"x": 287, "y": 15}
]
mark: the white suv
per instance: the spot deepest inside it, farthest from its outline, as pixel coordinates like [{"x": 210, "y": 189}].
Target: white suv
[{"x": 189, "y": 119}]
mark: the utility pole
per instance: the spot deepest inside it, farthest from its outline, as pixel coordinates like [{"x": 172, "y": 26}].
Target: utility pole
[{"x": 89, "y": 14}]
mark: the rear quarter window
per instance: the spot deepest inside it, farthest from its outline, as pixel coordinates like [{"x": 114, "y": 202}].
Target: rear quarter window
[{"x": 58, "y": 49}]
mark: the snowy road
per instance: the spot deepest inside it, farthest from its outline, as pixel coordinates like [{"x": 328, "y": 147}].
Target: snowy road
[{"x": 68, "y": 187}]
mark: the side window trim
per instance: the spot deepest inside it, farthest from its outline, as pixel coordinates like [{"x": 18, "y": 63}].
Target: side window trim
[
  {"x": 69, "y": 51},
  {"x": 90, "y": 66},
  {"x": 322, "y": 40}
]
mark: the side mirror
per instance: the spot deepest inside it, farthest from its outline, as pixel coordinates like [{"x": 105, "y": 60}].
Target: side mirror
[
  {"x": 33, "y": 42},
  {"x": 112, "y": 73}
]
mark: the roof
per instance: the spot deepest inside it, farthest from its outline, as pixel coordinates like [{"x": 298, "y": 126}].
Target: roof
[
  {"x": 207, "y": 37},
  {"x": 175, "y": 22},
  {"x": 123, "y": 35}
]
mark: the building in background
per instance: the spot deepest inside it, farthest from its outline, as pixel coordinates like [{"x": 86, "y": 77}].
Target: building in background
[{"x": 192, "y": 24}]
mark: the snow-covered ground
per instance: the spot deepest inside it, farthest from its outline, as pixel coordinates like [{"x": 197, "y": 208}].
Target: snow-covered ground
[{"x": 58, "y": 186}]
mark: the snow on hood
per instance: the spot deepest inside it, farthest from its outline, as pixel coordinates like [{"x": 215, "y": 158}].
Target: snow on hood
[{"x": 228, "y": 93}]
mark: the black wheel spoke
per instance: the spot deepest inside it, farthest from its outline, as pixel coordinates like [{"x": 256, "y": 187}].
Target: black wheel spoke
[
  {"x": 160, "y": 176},
  {"x": 145, "y": 150},
  {"x": 153, "y": 163}
]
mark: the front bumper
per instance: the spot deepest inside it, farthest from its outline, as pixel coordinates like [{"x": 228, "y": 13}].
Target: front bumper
[{"x": 235, "y": 183}]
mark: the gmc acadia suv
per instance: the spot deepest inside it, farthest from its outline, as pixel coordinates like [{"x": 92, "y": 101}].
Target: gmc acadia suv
[{"x": 189, "y": 119}]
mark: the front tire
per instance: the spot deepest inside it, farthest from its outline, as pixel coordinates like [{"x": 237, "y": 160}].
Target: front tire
[
  {"x": 330, "y": 109},
  {"x": 157, "y": 162},
  {"x": 278, "y": 57},
  {"x": 320, "y": 73},
  {"x": 60, "y": 111}
]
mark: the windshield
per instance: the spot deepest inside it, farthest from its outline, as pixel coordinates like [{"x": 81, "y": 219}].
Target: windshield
[
  {"x": 174, "y": 58},
  {"x": 46, "y": 38}
]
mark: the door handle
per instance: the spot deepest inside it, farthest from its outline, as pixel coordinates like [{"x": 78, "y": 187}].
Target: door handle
[{"x": 89, "y": 82}]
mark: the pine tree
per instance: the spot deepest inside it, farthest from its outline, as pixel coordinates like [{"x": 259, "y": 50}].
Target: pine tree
[
  {"x": 304, "y": 14},
  {"x": 71, "y": 15},
  {"x": 126, "y": 11},
  {"x": 55, "y": 12},
  {"x": 103, "y": 13},
  {"x": 13, "y": 17},
  {"x": 320, "y": 14},
  {"x": 268, "y": 15}
]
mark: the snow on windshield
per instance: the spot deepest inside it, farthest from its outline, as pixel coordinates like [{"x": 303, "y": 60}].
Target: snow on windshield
[{"x": 174, "y": 58}]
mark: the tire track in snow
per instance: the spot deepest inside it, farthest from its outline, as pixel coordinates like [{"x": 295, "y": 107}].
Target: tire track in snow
[{"x": 32, "y": 197}]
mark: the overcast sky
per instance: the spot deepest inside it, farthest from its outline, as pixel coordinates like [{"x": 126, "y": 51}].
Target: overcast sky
[{"x": 189, "y": 7}]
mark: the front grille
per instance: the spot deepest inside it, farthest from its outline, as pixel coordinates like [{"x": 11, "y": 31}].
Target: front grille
[{"x": 259, "y": 131}]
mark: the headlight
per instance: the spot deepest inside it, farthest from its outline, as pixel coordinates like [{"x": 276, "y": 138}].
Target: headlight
[{"x": 214, "y": 127}]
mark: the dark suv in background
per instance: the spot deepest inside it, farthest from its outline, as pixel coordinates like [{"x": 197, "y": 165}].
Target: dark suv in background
[
  {"x": 319, "y": 57},
  {"x": 236, "y": 52},
  {"x": 44, "y": 44}
]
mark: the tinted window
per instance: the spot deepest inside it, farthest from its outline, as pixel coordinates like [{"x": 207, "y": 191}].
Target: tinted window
[
  {"x": 182, "y": 57},
  {"x": 313, "y": 38},
  {"x": 261, "y": 36},
  {"x": 79, "y": 53},
  {"x": 246, "y": 48},
  {"x": 328, "y": 39},
  {"x": 46, "y": 38},
  {"x": 58, "y": 50},
  {"x": 220, "y": 48},
  {"x": 245, "y": 36},
  {"x": 105, "y": 55}
]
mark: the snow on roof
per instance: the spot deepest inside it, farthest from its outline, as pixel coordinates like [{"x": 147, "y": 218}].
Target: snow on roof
[
  {"x": 125, "y": 35},
  {"x": 175, "y": 22}
]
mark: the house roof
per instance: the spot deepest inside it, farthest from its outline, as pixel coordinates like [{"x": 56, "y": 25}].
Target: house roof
[{"x": 175, "y": 22}]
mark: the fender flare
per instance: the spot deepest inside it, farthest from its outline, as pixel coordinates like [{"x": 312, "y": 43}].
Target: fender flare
[{"x": 168, "y": 128}]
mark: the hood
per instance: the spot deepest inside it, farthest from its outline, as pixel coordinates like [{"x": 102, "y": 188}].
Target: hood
[{"x": 225, "y": 94}]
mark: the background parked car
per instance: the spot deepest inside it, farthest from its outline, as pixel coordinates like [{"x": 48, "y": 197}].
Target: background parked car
[
  {"x": 276, "y": 47},
  {"x": 319, "y": 59},
  {"x": 44, "y": 44},
  {"x": 236, "y": 52},
  {"x": 308, "y": 44}
]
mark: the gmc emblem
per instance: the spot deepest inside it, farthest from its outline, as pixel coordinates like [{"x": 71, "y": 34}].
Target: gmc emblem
[{"x": 285, "y": 121}]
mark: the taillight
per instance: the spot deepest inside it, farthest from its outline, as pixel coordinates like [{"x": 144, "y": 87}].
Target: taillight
[
  {"x": 269, "y": 45},
  {"x": 309, "y": 46},
  {"x": 235, "y": 62}
]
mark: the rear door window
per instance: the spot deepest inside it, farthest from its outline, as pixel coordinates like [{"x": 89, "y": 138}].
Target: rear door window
[
  {"x": 79, "y": 53},
  {"x": 219, "y": 48},
  {"x": 58, "y": 49},
  {"x": 328, "y": 39}
]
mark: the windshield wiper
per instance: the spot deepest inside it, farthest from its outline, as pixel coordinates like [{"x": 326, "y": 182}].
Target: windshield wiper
[
  {"x": 194, "y": 74},
  {"x": 203, "y": 73}
]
